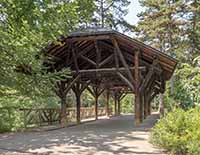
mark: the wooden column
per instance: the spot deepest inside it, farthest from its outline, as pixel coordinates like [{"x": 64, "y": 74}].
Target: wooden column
[
  {"x": 138, "y": 114},
  {"x": 96, "y": 92},
  {"x": 115, "y": 103},
  {"x": 119, "y": 106},
  {"x": 78, "y": 108},
  {"x": 141, "y": 106},
  {"x": 149, "y": 107},
  {"x": 77, "y": 91},
  {"x": 78, "y": 88},
  {"x": 148, "y": 104},
  {"x": 145, "y": 106},
  {"x": 61, "y": 92},
  {"x": 96, "y": 106},
  {"x": 63, "y": 118},
  {"x": 161, "y": 105},
  {"x": 107, "y": 103}
]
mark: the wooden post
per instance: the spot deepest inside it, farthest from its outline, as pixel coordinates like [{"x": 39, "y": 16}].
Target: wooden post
[
  {"x": 137, "y": 92},
  {"x": 63, "y": 111},
  {"x": 161, "y": 105},
  {"x": 78, "y": 108},
  {"x": 96, "y": 92},
  {"x": 115, "y": 103},
  {"x": 149, "y": 106},
  {"x": 78, "y": 88},
  {"x": 145, "y": 106},
  {"x": 141, "y": 105},
  {"x": 107, "y": 103},
  {"x": 96, "y": 107},
  {"x": 25, "y": 120},
  {"x": 119, "y": 106}
]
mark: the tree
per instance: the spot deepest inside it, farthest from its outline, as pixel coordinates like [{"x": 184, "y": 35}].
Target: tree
[
  {"x": 111, "y": 13},
  {"x": 171, "y": 26},
  {"x": 25, "y": 28},
  {"x": 193, "y": 29},
  {"x": 161, "y": 26}
]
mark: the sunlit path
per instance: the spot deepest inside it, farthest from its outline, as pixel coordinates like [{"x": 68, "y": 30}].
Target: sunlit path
[{"x": 117, "y": 135}]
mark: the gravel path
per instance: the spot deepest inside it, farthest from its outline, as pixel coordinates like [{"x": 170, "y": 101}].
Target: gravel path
[{"x": 114, "y": 136}]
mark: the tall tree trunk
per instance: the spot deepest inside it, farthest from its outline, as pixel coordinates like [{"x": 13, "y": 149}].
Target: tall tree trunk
[{"x": 102, "y": 14}]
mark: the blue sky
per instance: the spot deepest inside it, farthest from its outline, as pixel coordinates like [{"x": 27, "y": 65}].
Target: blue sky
[{"x": 134, "y": 9}]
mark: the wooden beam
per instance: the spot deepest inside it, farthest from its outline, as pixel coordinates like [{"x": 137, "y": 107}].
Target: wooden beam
[
  {"x": 106, "y": 70},
  {"x": 98, "y": 54},
  {"x": 114, "y": 41},
  {"x": 88, "y": 37},
  {"x": 122, "y": 96},
  {"x": 88, "y": 60},
  {"x": 149, "y": 75},
  {"x": 91, "y": 92},
  {"x": 105, "y": 61},
  {"x": 96, "y": 92},
  {"x": 126, "y": 80},
  {"x": 71, "y": 83}
]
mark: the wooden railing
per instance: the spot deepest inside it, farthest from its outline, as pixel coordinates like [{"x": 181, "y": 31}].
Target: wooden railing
[{"x": 50, "y": 116}]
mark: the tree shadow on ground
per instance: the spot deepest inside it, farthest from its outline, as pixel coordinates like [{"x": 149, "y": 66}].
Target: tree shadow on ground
[{"x": 115, "y": 136}]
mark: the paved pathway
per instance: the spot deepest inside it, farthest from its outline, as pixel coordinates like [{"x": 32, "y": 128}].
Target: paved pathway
[{"x": 114, "y": 136}]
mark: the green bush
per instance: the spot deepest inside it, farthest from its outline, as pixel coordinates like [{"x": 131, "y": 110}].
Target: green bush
[
  {"x": 178, "y": 132},
  {"x": 10, "y": 120}
]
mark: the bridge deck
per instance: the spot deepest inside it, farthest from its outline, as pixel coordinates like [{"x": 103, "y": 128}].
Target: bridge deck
[{"x": 114, "y": 136}]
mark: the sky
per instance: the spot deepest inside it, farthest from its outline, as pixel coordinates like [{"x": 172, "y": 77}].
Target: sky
[{"x": 134, "y": 9}]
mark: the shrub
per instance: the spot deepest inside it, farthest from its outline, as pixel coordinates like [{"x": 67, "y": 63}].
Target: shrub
[
  {"x": 10, "y": 120},
  {"x": 178, "y": 132}
]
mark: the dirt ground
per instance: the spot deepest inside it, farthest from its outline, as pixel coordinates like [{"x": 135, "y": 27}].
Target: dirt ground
[{"x": 114, "y": 136}]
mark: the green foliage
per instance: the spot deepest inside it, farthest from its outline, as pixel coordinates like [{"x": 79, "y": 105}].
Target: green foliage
[
  {"x": 26, "y": 27},
  {"x": 127, "y": 104},
  {"x": 173, "y": 28},
  {"x": 111, "y": 13},
  {"x": 178, "y": 132},
  {"x": 10, "y": 120}
]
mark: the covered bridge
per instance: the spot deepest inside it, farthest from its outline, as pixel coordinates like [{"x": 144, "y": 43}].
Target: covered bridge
[{"x": 101, "y": 59}]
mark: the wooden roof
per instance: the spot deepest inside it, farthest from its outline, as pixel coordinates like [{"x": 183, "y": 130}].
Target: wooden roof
[{"x": 92, "y": 53}]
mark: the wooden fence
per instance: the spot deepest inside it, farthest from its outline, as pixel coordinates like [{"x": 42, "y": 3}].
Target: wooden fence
[{"x": 50, "y": 116}]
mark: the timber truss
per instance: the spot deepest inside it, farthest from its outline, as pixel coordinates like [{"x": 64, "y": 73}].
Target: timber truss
[{"x": 108, "y": 60}]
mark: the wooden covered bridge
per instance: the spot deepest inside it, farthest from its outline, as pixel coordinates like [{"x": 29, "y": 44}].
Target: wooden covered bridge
[{"x": 106, "y": 60}]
